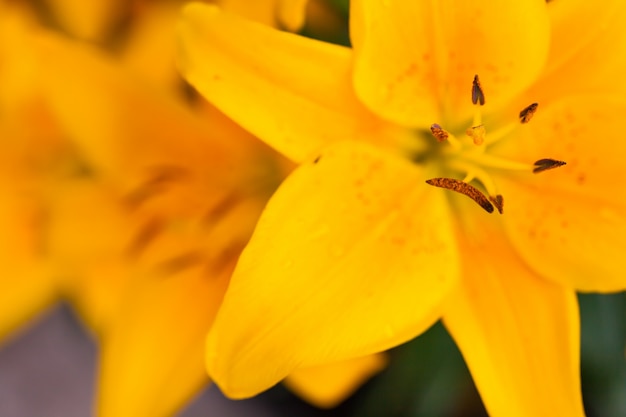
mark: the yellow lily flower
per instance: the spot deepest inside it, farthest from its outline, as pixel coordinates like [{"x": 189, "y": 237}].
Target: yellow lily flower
[
  {"x": 175, "y": 197},
  {"x": 355, "y": 253}
]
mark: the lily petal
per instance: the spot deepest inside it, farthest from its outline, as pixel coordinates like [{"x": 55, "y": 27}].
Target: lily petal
[
  {"x": 89, "y": 20},
  {"x": 151, "y": 45},
  {"x": 152, "y": 354},
  {"x": 307, "y": 259},
  {"x": 117, "y": 133},
  {"x": 592, "y": 60},
  {"x": 28, "y": 281},
  {"x": 304, "y": 84},
  {"x": 519, "y": 334},
  {"x": 326, "y": 386},
  {"x": 91, "y": 264},
  {"x": 576, "y": 213},
  {"x": 290, "y": 13},
  {"x": 415, "y": 60}
]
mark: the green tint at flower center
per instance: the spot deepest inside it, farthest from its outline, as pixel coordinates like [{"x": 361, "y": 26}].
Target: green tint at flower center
[{"x": 464, "y": 162}]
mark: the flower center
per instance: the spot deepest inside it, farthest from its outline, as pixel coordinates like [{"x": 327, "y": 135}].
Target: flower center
[{"x": 465, "y": 155}]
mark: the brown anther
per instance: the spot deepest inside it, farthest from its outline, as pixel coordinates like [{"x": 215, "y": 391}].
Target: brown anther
[
  {"x": 497, "y": 201},
  {"x": 546, "y": 164},
  {"x": 478, "y": 96},
  {"x": 180, "y": 262},
  {"x": 528, "y": 113},
  {"x": 463, "y": 188},
  {"x": 477, "y": 133},
  {"x": 146, "y": 234},
  {"x": 438, "y": 132}
]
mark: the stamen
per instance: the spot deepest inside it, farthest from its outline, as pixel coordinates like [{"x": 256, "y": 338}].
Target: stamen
[
  {"x": 546, "y": 164},
  {"x": 438, "y": 132},
  {"x": 498, "y": 201},
  {"x": 463, "y": 188},
  {"x": 528, "y": 112},
  {"x": 469, "y": 177},
  {"x": 478, "y": 96},
  {"x": 474, "y": 172},
  {"x": 477, "y": 133}
]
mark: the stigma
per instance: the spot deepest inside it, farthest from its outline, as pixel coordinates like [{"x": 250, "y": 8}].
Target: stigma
[{"x": 467, "y": 156}]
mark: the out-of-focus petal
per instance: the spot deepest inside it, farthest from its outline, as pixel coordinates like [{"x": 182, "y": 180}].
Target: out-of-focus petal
[
  {"x": 570, "y": 223},
  {"x": 152, "y": 353},
  {"x": 415, "y": 60},
  {"x": 135, "y": 136},
  {"x": 353, "y": 255},
  {"x": 518, "y": 333},
  {"x": 304, "y": 85},
  {"x": 94, "y": 263},
  {"x": 89, "y": 20},
  {"x": 150, "y": 48},
  {"x": 158, "y": 335},
  {"x": 18, "y": 80},
  {"x": 152, "y": 304},
  {"x": 326, "y": 386},
  {"x": 28, "y": 280},
  {"x": 290, "y": 13},
  {"x": 594, "y": 59}
]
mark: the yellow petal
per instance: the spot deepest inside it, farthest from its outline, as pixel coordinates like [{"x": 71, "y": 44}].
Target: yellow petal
[
  {"x": 570, "y": 223},
  {"x": 328, "y": 385},
  {"x": 352, "y": 255},
  {"x": 89, "y": 20},
  {"x": 290, "y": 13},
  {"x": 131, "y": 133},
  {"x": 92, "y": 265},
  {"x": 17, "y": 73},
  {"x": 28, "y": 281},
  {"x": 151, "y": 45},
  {"x": 415, "y": 60},
  {"x": 152, "y": 353},
  {"x": 594, "y": 59},
  {"x": 518, "y": 333},
  {"x": 292, "y": 92}
]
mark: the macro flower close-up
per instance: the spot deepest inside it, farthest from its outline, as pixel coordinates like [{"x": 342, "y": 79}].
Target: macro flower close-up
[
  {"x": 375, "y": 235},
  {"x": 321, "y": 208}
]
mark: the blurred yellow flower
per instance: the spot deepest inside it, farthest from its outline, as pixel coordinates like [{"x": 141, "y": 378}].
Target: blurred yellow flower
[
  {"x": 130, "y": 204},
  {"x": 355, "y": 253},
  {"x": 34, "y": 159}
]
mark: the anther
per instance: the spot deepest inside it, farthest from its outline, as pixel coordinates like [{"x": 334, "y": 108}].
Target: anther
[
  {"x": 478, "y": 96},
  {"x": 546, "y": 164},
  {"x": 528, "y": 113},
  {"x": 498, "y": 201},
  {"x": 477, "y": 133},
  {"x": 439, "y": 133},
  {"x": 463, "y": 188}
]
